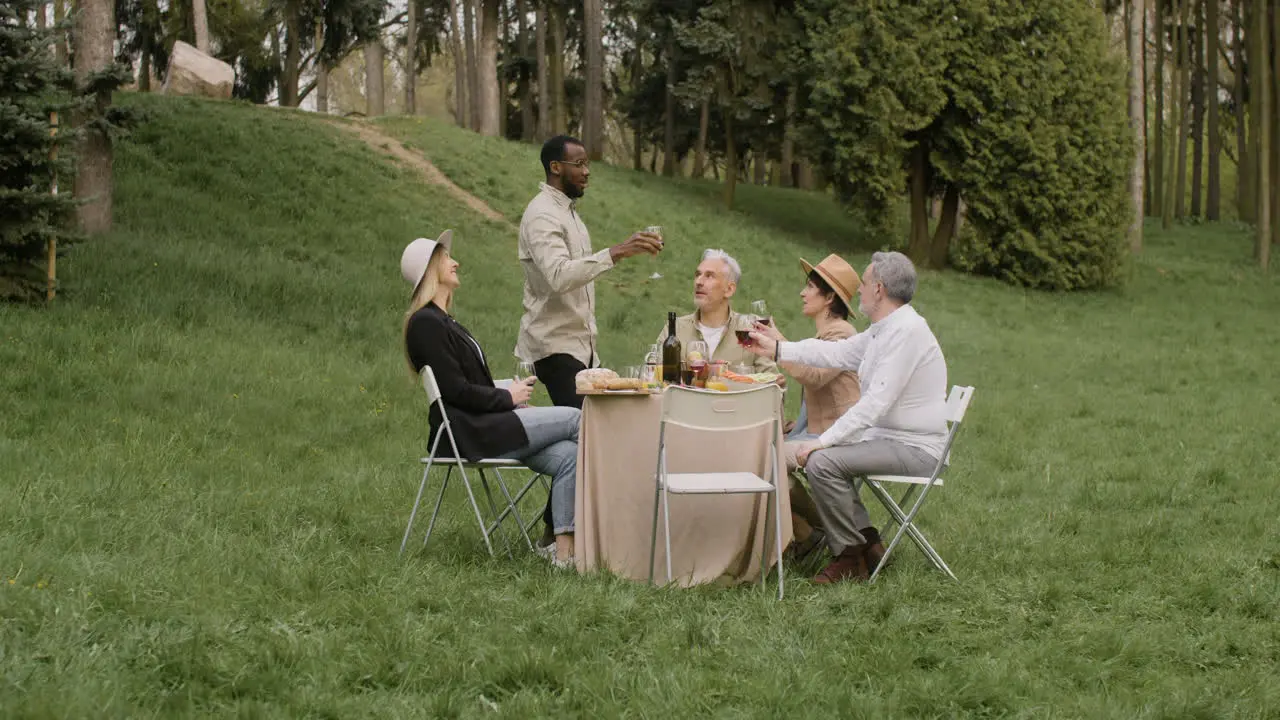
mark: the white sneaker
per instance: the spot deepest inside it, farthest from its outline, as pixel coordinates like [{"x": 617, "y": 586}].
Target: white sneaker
[
  {"x": 566, "y": 564},
  {"x": 546, "y": 552}
]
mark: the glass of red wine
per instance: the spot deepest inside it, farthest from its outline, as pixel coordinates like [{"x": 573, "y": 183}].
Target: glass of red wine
[{"x": 761, "y": 311}]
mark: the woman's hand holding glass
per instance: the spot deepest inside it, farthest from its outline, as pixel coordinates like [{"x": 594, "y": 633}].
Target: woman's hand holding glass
[{"x": 521, "y": 390}]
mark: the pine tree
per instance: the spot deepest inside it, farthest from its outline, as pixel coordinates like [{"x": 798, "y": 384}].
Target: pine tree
[{"x": 32, "y": 218}]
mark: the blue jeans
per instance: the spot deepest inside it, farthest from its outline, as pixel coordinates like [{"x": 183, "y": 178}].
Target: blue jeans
[{"x": 552, "y": 450}]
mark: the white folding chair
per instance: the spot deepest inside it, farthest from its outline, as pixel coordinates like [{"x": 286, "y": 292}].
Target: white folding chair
[
  {"x": 701, "y": 410},
  {"x": 489, "y": 528},
  {"x": 957, "y": 403}
]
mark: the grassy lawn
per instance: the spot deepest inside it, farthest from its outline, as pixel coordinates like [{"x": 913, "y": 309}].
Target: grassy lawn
[{"x": 208, "y": 451}]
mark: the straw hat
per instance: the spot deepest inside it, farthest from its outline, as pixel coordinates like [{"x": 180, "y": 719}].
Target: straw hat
[
  {"x": 416, "y": 256},
  {"x": 839, "y": 274}
]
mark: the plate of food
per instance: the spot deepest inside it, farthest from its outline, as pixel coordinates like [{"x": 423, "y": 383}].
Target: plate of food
[{"x": 739, "y": 381}]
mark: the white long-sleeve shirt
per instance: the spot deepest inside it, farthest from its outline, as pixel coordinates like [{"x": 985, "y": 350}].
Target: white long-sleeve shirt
[{"x": 903, "y": 377}]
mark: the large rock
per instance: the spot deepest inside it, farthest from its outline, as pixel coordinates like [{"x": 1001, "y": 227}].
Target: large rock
[{"x": 192, "y": 72}]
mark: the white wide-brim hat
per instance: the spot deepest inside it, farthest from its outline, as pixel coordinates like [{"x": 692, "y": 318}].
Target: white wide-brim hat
[{"x": 417, "y": 254}]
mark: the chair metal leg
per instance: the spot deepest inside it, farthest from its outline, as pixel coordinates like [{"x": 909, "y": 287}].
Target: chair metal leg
[
  {"x": 908, "y": 527},
  {"x": 764, "y": 546},
  {"x": 436, "y": 511},
  {"x": 484, "y": 530},
  {"x": 496, "y": 527},
  {"x": 512, "y": 509},
  {"x": 666, "y": 529},
  {"x": 653, "y": 536},
  {"x": 414, "y": 513},
  {"x": 777, "y": 535}
]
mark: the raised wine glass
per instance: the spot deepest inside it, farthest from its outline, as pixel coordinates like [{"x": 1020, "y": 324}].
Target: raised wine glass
[{"x": 761, "y": 311}]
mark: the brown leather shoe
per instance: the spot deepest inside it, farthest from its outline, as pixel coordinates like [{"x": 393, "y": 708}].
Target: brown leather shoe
[
  {"x": 873, "y": 554},
  {"x": 850, "y": 565}
]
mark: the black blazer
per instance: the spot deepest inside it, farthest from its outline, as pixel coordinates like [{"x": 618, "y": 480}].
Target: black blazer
[{"x": 482, "y": 416}]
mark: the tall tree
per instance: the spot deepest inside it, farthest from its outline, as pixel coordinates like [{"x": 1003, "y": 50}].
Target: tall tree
[
  {"x": 544, "y": 86},
  {"x": 374, "y": 69},
  {"x": 473, "y": 67},
  {"x": 700, "y": 149},
  {"x": 95, "y": 34},
  {"x": 1213, "y": 194},
  {"x": 322, "y": 70},
  {"x": 60, "y": 34},
  {"x": 200, "y": 23},
  {"x": 669, "y": 119},
  {"x": 411, "y": 58},
  {"x": 1184, "y": 106},
  {"x": 528, "y": 130},
  {"x": 487, "y": 69},
  {"x": 292, "y": 67},
  {"x": 556, "y": 53},
  {"x": 461, "y": 100},
  {"x": 1245, "y": 134},
  {"x": 1137, "y": 117},
  {"x": 1198, "y": 110},
  {"x": 1157, "y": 122},
  {"x": 593, "y": 112},
  {"x": 1169, "y": 204},
  {"x": 34, "y": 221},
  {"x": 1260, "y": 68}
]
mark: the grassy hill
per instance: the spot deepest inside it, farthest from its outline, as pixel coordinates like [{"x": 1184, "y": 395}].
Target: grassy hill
[{"x": 208, "y": 449}]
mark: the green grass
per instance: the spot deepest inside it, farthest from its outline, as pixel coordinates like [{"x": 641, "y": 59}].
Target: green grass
[{"x": 208, "y": 448}]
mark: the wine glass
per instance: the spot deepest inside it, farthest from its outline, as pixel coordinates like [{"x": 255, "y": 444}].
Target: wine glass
[
  {"x": 524, "y": 370},
  {"x": 697, "y": 358},
  {"x": 761, "y": 311},
  {"x": 656, "y": 230}
]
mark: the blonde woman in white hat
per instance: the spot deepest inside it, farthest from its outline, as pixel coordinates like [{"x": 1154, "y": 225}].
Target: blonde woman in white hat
[{"x": 487, "y": 421}]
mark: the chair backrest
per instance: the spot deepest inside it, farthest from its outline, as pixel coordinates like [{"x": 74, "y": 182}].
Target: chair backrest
[
  {"x": 429, "y": 384},
  {"x": 708, "y": 410},
  {"x": 958, "y": 402}
]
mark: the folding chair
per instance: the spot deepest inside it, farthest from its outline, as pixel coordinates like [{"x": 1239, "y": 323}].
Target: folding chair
[
  {"x": 700, "y": 410},
  {"x": 487, "y": 529},
  {"x": 957, "y": 403}
]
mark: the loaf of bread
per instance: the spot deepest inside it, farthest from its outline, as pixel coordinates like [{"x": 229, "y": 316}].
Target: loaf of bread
[
  {"x": 594, "y": 378},
  {"x": 624, "y": 384}
]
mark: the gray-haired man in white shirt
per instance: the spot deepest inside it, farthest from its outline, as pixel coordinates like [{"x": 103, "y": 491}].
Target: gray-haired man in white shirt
[{"x": 897, "y": 427}]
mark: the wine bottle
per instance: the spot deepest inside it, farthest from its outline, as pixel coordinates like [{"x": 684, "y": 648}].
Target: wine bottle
[{"x": 672, "y": 352}]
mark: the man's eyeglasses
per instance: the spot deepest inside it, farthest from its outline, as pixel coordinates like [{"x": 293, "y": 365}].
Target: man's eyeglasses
[{"x": 584, "y": 164}]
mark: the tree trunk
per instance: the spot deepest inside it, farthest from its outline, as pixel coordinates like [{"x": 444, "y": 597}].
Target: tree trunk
[
  {"x": 1213, "y": 195},
  {"x": 669, "y": 131},
  {"x": 544, "y": 88},
  {"x": 948, "y": 224},
  {"x": 42, "y": 22},
  {"x": 1197, "y": 115},
  {"x": 1175, "y": 104},
  {"x": 1262, "y": 91},
  {"x": 759, "y": 167},
  {"x": 730, "y": 161},
  {"x": 502, "y": 68},
  {"x": 487, "y": 68},
  {"x": 322, "y": 71},
  {"x": 918, "y": 243},
  {"x": 1137, "y": 121},
  {"x": 144, "y": 71},
  {"x": 95, "y": 34},
  {"x": 593, "y": 112},
  {"x": 1184, "y": 100},
  {"x": 786, "y": 176},
  {"x": 1157, "y": 122},
  {"x": 292, "y": 55},
  {"x": 200, "y": 22},
  {"x": 700, "y": 150},
  {"x": 461, "y": 98},
  {"x": 60, "y": 37},
  {"x": 1243, "y": 132},
  {"x": 375, "y": 104},
  {"x": 1274, "y": 183},
  {"x": 559, "y": 100},
  {"x": 473, "y": 69},
  {"x": 1248, "y": 211},
  {"x": 527, "y": 120},
  {"x": 411, "y": 59}
]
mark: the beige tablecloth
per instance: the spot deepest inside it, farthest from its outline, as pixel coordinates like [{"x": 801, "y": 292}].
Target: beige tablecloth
[{"x": 714, "y": 538}]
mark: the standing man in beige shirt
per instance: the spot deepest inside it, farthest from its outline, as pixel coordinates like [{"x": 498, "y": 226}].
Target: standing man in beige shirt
[{"x": 558, "y": 330}]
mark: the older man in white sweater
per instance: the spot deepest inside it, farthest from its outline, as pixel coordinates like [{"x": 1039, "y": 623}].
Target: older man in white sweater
[{"x": 897, "y": 427}]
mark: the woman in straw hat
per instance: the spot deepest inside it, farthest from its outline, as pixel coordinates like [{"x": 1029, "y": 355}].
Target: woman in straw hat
[
  {"x": 487, "y": 421},
  {"x": 827, "y": 298}
]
